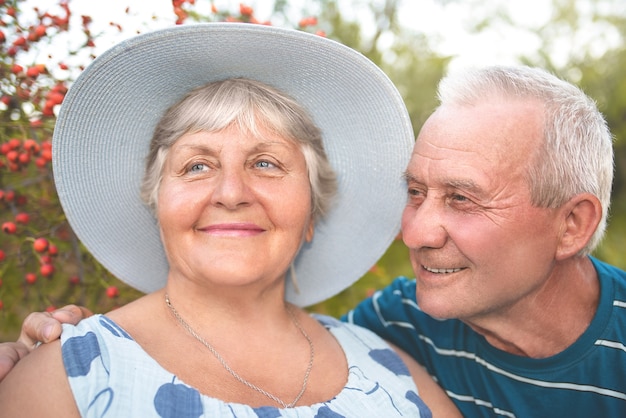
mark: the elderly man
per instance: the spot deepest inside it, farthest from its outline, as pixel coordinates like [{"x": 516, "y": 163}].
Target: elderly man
[{"x": 508, "y": 193}]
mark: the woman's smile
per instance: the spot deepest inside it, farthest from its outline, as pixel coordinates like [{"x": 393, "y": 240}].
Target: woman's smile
[{"x": 233, "y": 229}]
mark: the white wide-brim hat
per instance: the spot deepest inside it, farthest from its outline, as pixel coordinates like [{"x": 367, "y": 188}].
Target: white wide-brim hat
[{"x": 108, "y": 117}]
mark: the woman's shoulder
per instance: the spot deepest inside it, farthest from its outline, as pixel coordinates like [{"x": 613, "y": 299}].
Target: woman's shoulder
[
  {"x": 363, "y": 348},
  {"x": 109, "y": 371},
  {"x": 41, "y": 373},
  {"x": 377, "y": 374},
  {"x": 96, "y": 324}
]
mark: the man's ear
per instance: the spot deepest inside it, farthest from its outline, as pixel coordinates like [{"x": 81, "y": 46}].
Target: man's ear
[{"x": 581, "y": 216}]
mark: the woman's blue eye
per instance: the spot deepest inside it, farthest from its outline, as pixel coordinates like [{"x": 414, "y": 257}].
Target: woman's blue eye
[
  {"x": 197, "y": 167},
  {"x": 264, "y": 164}
]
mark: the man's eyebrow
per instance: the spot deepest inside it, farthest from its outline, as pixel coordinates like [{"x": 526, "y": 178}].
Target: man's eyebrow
[
  {"x": 464, "y": 184},
  {"x": 408, "y": 177}
]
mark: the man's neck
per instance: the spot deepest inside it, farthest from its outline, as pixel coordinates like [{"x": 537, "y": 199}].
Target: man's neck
[{"x": 549, "y": 321}]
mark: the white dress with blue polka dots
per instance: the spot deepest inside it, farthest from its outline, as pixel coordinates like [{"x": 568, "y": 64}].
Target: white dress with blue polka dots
[{"x": 112, "y": 376}]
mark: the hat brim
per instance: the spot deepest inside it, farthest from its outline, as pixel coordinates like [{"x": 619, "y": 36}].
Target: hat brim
[{"x": 107, "y": 119}]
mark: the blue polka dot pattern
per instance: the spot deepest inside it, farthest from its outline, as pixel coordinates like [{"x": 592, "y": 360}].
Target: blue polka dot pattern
[
  {"x": 325, "y": 412},
  {"x": 388, "y": 358},
  {"x": 111, "y": 375},
  {"x": 113, "y": 328},
  {"x": 413, "y": 397},
  {"x": 177, "y": 401},
  {"x": 267, "y": 412},
  {"x": 79, "y": 353}
]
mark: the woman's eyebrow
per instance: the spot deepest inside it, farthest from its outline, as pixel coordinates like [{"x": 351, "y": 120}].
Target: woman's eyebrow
[{"x": 271, "y": 144}]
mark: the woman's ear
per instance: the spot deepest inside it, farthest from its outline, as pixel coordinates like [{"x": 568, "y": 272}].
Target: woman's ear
[
  {"x": 581, "y": 216},
  {"x": 310, "y": 231}
]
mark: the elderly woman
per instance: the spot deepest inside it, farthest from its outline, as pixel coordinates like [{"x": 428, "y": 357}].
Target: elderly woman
[{"x": 239, "y": 228}]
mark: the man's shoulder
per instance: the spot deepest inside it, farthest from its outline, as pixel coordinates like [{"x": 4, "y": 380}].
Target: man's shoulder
[
  {"x": 397, "y": 305},
  {"x": 604, "y": 267},
  {"x": 609, "y": 272},
  {"x": 401, "y": 286}
]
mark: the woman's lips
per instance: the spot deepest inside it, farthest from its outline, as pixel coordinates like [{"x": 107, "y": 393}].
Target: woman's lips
[{"x": 237, "y": 229}]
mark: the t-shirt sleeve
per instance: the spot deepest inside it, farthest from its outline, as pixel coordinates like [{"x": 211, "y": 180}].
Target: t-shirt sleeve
[
  {"x": 393, "y": 314},
  {"x": 384, "y": 309}
]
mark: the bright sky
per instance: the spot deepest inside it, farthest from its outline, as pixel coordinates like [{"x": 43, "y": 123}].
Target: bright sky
[{"x": 447, "y": 26}]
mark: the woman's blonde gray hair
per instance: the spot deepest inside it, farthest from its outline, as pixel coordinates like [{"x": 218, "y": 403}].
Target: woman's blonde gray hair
[{"x": 249, "y": 104}]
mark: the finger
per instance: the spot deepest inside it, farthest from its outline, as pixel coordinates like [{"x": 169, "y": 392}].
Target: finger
[
  {"x": 71, "y": 314},
  {"x": 39, "y": 327},
  {"x": 45, "y": 327},
  {"x": 10, "y": 354}
]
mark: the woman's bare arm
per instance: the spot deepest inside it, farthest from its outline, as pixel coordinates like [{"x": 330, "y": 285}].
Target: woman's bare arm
[
  {"x": 431, "y": 393},
  {"x": 38, "y": 327},
  {"x": 38, "y": 386}
]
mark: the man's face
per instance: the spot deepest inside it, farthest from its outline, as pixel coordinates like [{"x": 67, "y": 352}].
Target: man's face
[{"x": 477, "y": 245}]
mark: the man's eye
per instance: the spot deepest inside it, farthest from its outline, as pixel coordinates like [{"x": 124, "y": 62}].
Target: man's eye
[{"x": 459, "y": 198}]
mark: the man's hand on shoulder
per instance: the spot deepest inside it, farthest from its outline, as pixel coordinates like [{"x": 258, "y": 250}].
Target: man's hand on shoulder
[{"x": 38, "y": 327}]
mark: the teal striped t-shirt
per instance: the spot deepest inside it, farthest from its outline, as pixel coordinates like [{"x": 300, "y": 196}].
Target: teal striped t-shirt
[{"x": 588, "y": 379}]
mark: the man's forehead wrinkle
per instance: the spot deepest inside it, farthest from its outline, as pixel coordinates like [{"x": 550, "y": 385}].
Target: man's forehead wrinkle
[{"x": 443, "y": 147}]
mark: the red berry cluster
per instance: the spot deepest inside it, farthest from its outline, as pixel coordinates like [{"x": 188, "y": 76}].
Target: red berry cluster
[
  {"x": 46, "y": 252},
  {"x": 30, "y": 92},
  {"x": 181, "y": 11},
  {"x": 43, "y": 250},
  {"x": 307, "y": 21},
  {"x": 35, "y": 32},
  {"x": 16, "y": 154},
  {"x": 246, "y": 15}
]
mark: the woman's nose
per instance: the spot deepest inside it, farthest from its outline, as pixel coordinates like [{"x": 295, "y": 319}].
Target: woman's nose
[{"x": 231, "y": 189}]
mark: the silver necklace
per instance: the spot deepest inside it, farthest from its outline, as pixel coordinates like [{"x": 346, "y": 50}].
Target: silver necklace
[{"x": 233, "y": 373}]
